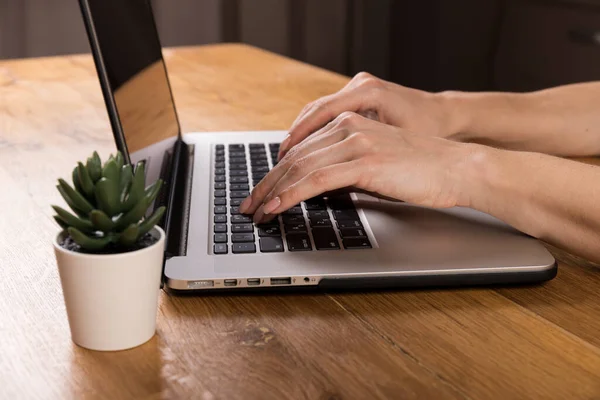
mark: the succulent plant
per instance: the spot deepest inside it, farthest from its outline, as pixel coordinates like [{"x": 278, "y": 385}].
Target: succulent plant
[{"x": 109, "y": 203}]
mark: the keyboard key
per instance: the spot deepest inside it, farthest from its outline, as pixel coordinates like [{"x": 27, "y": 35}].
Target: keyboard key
[
  {"x": 221, "y": 228},
  {"x": 258, "y": 155},
  {"x": 295, "y": 228},
  {"x": 325, "y": 239},
  {"x": 274, "y": 146},
  {"x": 343, "y": 202},
  {"x": 239, "y": 186},
  {"x": 260, "y": 169},
  {"x": 316, "y": 223},
  {"x": 220, "y": 185},
  {"x": 316, "y": 214},
  {"x": 220, "y": 248},
  {"x": 236, "y": 147},
  {"x": 356, "y": 243},
  {"x": 241, "y": 219},
  {"x": 220, "y": 152},
  {"x": 237, "y": 160},
  {"x": 220, "y": 238},
  {"x": 220, "y": 171},
  {"x": 236, "y": 202},
  {"x": 242, "y": 228},
  {"x": 221, "y": 201},
  {"x": 220, "y": 158},
  {"x": 238, "y": 167},
  {"x": 269, "y": 231},
  {"x": 220, "y": 193},
  {"x": 237, "y": 154},
  {"x": 239, "y": 194},
  {"x": 271, "y": 244},
  {"x": 352, "y": 233},
  {"x": 239, "y": 179},
  {"x": 220, "y": 210},
  {"x": 256, "y": 146},
  {"x": 293, "y": 219},
  {"x": 242, "y": 237},
  {"x": 220, "y": 165},
  {"x": 293, "y": 211},
  {"x": 234, "y": 210},
  {"x": 349, "y": 224},
  {"x": 235, "y": 173},
  {"x": 256, "y": 181},
  {"x": 220, "y": 219},
  {"x": 220, "y": 147},
  {"x": 220, "y": 178},
  {"x": 242, "y": 248},
  {"x": 299, "y": 242},
  {"x": 259, "y": 162},
  {"x": 345, "y": 215},
  {"x": 315, "y": 204}
]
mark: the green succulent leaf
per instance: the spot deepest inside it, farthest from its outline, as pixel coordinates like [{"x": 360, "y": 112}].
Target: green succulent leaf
[
  {"x": 71, "y": 220},
  {"x": 76, "y": 182},
  {"x": 70, "y": 203},
  {"x": 136, "y": 191},
  {"x": 102, "y": 221},
  {"x": 152, "y": 191},
  {"x": 107, "y": 197},
  {"x": 74, "y": 199},
  {"x": 130, "y": 235},
  {"x": 125, "y": 181},
  {"x": 94, "y": 167},
  {"x": 86, "y": 182},
  {"x": 134, "y": 215},
  {"x": 60, "y": 222},
  {"x": 88, "y": 242},
  {"x": 151, "y": 221},
  {"x": 119, "y": 159},
  {"x": 111, "y": 171}
]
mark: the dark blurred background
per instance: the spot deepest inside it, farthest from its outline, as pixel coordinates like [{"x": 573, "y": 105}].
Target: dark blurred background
[{"x": 429, "y": 44}]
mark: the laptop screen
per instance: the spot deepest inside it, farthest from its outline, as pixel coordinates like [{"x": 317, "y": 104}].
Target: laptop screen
[{"x": 128, "y": 45}]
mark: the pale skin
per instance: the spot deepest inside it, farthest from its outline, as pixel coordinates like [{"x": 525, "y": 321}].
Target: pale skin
[{"x": 493, "y": 152}]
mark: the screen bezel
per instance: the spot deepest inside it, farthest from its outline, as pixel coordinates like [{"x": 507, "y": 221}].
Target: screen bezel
[{"x": 107, "y": 92}]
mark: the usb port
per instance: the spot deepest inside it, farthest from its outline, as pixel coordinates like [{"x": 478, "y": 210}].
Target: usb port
[
  {"x": 230, "y": 282},
  {"x": 281, "y": 281},
  {"x": 253, "y": 281}
]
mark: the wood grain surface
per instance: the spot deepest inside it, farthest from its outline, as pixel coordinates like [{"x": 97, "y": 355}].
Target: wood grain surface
[{"x": 531, "y": 342}]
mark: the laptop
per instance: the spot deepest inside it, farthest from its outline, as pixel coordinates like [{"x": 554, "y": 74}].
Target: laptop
[{"x": 342, "y": 241}]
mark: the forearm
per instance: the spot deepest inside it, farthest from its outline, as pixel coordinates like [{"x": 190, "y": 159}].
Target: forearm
[
  {"x": 550, "y": 198},
  {"x": 563, "y": 121}
]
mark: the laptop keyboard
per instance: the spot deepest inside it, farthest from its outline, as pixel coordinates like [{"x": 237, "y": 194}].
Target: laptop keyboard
[{"x": 320, "y": 223}]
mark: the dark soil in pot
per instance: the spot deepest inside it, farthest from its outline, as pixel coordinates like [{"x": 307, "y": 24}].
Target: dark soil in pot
[{"x": 146, "y": 241}]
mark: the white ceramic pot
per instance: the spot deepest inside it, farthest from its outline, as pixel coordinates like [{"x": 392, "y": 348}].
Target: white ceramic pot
[{"x": 111, "y": 299}]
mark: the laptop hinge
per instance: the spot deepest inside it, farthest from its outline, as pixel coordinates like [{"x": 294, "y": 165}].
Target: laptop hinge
[{"x": 178, "y": 200}]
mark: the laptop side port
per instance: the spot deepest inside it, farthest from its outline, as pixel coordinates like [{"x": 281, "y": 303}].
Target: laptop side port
[
  {"x": 253, "y": 281},
  {"x": 230, "y": 282},
  {"x": 281, "y": 281}
]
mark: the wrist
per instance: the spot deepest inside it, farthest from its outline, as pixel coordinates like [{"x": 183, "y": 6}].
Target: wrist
[
  {"x": 456, "y": 110},
  {"x": 482, "y": 177}
]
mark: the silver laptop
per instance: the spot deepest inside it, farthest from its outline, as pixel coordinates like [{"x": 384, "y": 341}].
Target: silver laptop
[{"x": 331, "y": 241}]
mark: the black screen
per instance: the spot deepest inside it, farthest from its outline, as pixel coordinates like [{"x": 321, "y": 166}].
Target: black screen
[{"x": 131, "y": 53}]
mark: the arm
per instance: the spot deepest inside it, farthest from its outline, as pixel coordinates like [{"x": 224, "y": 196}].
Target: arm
[
  {"x": 562, "y": 121},
  {"x": 550, "y": 198}
]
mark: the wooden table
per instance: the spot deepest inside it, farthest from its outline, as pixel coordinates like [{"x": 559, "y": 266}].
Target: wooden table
[{"x": 506, "y": 343}]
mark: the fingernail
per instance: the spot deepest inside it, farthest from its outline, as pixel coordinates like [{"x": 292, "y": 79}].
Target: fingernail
[
  {"x": 246, "y": 204},
  {"x": 272, "y": 205}
]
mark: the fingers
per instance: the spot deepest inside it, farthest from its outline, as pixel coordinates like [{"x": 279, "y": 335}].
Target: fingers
[
  {"x": 329, "y": 136},
  {"x": 321, "y": 180},
  {"x": 338, "y": 153},
  {"x": 318, "y": 115}
]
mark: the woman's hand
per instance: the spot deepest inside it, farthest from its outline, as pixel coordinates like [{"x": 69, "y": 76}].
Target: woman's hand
[
  {"x": 371, "y": 156},
  {"x": 387, "y": 102}
]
